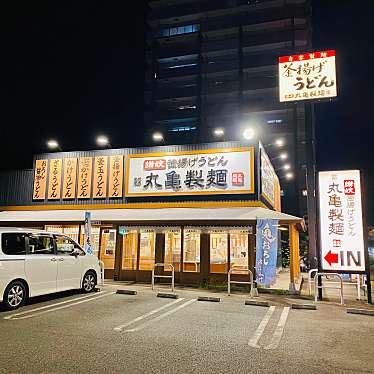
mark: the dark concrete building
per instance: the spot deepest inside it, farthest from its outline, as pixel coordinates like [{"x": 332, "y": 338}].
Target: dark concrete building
[{"x": 213, "y": 64}]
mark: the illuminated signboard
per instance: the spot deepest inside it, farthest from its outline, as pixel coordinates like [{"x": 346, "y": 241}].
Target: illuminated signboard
[
  {"x": 220, "y": 171},
  {"x": 308, "y": 76},
  {"x": 341, "y": 226}
]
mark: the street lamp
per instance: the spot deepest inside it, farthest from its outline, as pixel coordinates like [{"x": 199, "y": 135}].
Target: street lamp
[
  {"x": 219, "y": 132},
  {"x": 279, "y": 143},
  {"x": 289, "y": 176},
  {"x": 248, "y": 134},
  {"x": 102, "y": 141},
  {"x": 53, "y": 144},
  {"x": 157, "y": 137}
]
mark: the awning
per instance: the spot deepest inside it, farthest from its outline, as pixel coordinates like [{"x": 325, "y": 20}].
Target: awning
[{"x": 169, "y": 215}]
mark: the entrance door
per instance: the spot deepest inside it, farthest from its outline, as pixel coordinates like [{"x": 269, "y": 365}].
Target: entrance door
[
  {"x": 108, "y": 250},
  {"x": 41, "y": 265}
]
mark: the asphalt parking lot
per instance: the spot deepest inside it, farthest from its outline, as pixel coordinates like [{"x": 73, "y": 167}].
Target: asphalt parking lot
[{"x": 105, "y": 332}]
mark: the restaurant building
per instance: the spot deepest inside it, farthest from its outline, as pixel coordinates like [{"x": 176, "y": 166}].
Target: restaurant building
[{"x": 194, "y": 207}]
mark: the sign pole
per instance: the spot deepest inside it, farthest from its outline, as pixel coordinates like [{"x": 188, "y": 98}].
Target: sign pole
[{"x": 367, "y": 270}]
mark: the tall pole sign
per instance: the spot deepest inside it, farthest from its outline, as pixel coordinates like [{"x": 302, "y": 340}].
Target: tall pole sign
[
  {"x": 309, "y": 78},
  {"x": 342, "y": 228}
]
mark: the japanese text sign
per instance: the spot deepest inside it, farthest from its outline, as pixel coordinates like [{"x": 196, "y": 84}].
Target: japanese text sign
[
  {"x": 226, "y": 171},
  {"x": 309, "y": 76},
  {"x": 70, "y": 178},
  {"x": 115, "y": 176},
  {"x": 266, "y": 251},
  {"x": 84, "y": 177},
  {"x": 341, "y": 226},
  {"x": 40, "y": 180},
  {"x": 269, "y": 180},
  {"x": 100, "y": 177},
  {"x": 55, "y": 174}
]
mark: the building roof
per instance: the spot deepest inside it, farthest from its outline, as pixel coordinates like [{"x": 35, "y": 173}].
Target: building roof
[{"x": 153, "y": 215}]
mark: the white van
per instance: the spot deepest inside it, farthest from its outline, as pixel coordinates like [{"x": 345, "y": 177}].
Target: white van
[{"x": 34, "y": 262}]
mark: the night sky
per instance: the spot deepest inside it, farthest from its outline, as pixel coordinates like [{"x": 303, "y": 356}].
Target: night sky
[{"x": 73, "y": 70}]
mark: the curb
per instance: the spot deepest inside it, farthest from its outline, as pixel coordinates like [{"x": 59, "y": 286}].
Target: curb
[
  {"x": 366, "y": 312},
  {"x": 167, "y": 295},
  {"x": 304, "y": 306},
  {"x": 257, "y": 303},
  {"x": 127, "y": 292},
  {"x": 209, "y": 298}
]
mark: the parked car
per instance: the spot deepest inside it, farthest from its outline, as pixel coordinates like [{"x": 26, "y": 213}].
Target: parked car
[{"x": 35, "y": 262}]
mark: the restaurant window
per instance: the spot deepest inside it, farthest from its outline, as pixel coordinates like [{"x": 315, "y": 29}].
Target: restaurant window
[
  {"x": 130, "y": 249},
  {"x": 172, "y": 256},
  {"x": 108, "y": 247},
  {"x": 191, "y": 250},
  {"x": 218, "y": 251},
  {"x": 72, "y": 231},
  {"x": 239, "y": 249},
  {"x": 147, "y": 249}
]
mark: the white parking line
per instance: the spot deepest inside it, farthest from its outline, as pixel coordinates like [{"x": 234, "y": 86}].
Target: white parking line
[
  {"x": 145, "y": 324},
  {"x": 121, "y": 327},
  {"x": 48, "y": 306},
  {"x": 260, "y": 329},
  {"x": 23, "y": 316},
  {"x": 277, "y": 336}
]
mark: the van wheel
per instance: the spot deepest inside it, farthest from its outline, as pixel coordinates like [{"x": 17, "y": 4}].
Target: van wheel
[
  {"x": 15, "y": 295},
  {"x": 89, "y": 282}
]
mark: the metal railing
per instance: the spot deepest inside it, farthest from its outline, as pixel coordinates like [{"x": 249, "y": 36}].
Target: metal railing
[
  {"x": 238, "y": 269},
  {"x": 163, "y": 276},
  {"x": 102, "y": 270},
  {"x": 326, "y": 275},
  {"x": 310, "y": 281}
]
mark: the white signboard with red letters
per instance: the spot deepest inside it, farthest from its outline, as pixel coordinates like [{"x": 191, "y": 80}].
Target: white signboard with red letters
[
  {"x": 226, "y": 171},
  {"x": 341, "y": 224},
  {"x": 308, "y": 76}
]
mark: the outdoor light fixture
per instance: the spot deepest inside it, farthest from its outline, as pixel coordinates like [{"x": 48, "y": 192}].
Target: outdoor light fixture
[
  {"x": 53, "y": 144},
  {"x": 102, "y": 141},
  {"x": 157, "y": 137},
  {"x": 248, "y": 134},
  {"x": 279, "y": 142},
  {"x": 283, "y": 156},
  {"x": 289, "y": 176},
  {"x": 219, "y": 132},
  {"x": 287, "y": 167}
]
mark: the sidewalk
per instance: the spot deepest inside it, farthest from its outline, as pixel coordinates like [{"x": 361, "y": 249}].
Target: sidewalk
[{"x": 273, "y": 299}]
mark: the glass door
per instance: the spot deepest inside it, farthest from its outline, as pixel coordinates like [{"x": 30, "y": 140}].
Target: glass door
[{"x": 108, "y": 247}]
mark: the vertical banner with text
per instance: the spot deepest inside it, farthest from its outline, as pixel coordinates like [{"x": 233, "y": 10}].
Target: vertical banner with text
[
  {"x": 100, "y": 177},
  {"x": 70, "y": 178},
  {"x": 266, "y": 251},
  {"x": 40, "y": 180},
  {"x": 84, "y": 177},
  {"x": 87, "y": 233},
  {"x": 115, "y": 176},
  {"x": 55, "y": 174}
]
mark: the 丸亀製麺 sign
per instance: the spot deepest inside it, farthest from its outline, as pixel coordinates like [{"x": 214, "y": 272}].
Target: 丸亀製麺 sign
[
  {"x": 341, "y": 225},
  {"x": 226, "y": 171},
  {"x": 269, "y": 179},
  {"x": 309, "y": 76}
]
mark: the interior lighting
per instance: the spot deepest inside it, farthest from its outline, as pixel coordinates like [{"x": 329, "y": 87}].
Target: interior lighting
[
  {"x": 289, "y": 176},
  {"x": 287, "y": 167},
  {"x": 279, "y": 142}
]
